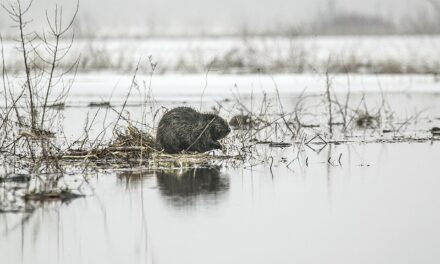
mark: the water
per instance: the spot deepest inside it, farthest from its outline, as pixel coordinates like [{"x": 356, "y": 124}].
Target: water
[
  {"x": 380, "y": 206},
  {"x": 406, "y": 96}
]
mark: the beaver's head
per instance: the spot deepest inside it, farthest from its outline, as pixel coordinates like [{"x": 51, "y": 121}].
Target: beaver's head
[{"x": 218, "y": 128}]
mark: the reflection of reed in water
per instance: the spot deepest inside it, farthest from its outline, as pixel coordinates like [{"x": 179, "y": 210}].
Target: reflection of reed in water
[
  {"x": 193, "y": 183},
  {"x": 132, "y": 179}
]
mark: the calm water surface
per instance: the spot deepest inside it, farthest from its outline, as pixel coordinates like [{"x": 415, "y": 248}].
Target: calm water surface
[{"x": 380, "y": 206}]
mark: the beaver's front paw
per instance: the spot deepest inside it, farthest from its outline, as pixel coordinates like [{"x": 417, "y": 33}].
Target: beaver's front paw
[{"x": 215, "y": 145}]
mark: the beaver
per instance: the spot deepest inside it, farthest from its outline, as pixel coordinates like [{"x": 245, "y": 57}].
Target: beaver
[{"x": 185, "y": 129}]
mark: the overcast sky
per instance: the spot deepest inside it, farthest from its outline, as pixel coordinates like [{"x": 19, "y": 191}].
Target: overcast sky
[{"x": 212, "y": 15}]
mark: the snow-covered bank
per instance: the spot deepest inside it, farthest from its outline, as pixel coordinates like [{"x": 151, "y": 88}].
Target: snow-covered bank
[{"x": 367, "y": 54}]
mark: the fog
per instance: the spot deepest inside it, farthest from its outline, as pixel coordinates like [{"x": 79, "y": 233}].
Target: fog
[{"x": 209, "y": 16}]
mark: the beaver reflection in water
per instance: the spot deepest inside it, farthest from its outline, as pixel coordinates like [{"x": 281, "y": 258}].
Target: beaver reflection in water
[
  {"x": 192, "y": 182},
  {"x": 185, "y": 129}
]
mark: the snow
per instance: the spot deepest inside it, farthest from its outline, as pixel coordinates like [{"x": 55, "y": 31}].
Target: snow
[{"x": 278, "y": 54}]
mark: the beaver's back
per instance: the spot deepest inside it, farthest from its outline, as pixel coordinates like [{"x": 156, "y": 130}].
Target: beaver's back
[{"x": 179, "y": 128}]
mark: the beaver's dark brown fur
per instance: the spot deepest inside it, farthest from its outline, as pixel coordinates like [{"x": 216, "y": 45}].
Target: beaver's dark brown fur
[{"x": 185, "y": 129}]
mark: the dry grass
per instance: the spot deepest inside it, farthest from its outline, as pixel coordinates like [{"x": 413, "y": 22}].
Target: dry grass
[
  {"x": 136, "y": 148},
  {"x": 29, "y": 145}
]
